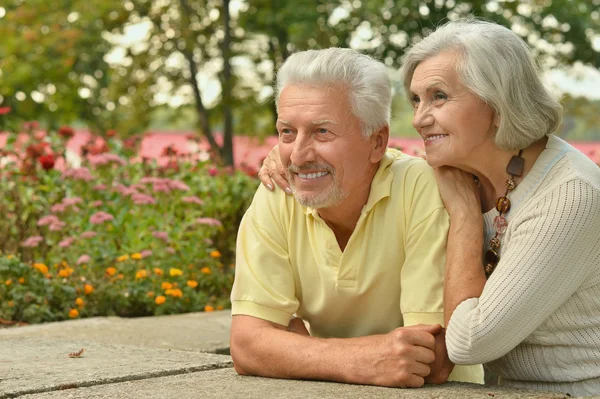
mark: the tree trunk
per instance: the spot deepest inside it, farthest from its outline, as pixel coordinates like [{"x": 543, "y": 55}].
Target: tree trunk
[{"x": 227, "y": 150}]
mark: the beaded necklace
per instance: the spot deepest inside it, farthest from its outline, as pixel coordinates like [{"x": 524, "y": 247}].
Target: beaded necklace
[{"x": 492, "y": 256}]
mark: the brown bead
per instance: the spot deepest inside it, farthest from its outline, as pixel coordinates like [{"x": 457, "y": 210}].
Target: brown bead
[
  {"x": 503, "y": 205},
  {"x": 495, "y": 243},
  {"x": 489, "y": 269},
  {"x": 491, "y": 257},
  {"x": 510, "y": 184}
]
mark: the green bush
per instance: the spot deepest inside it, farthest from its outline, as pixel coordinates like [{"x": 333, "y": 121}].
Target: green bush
[{"x": 115, "y": 236}]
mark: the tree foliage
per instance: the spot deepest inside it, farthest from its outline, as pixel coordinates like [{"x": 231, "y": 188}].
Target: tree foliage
[{"x": 68, "y": 60}]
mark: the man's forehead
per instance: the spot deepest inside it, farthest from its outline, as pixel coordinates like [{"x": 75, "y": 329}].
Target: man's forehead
[{"x": 313, "y": 122}]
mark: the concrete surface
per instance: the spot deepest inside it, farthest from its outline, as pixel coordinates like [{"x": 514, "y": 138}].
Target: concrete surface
[
  {"x": 32, "y": 365},
  {"x": 201, "y": 332},
  {"x": 227, "y": 384},
  {"x": 162, "y": 357}
]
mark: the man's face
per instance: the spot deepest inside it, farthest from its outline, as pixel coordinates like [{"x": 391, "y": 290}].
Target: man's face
[{"x": 321, "y": 145}]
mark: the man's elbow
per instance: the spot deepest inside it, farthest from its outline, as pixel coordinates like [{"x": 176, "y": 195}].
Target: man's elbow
[{"x": 237, "y": 355}]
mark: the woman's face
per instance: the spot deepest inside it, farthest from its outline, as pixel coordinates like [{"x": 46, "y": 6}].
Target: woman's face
[{"x": 455, "y": 124}]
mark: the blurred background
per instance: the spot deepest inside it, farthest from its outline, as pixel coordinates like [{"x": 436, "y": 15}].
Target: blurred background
[{"x": 207, "y": 66}]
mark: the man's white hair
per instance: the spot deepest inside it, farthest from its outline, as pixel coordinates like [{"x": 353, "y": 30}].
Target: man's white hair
[{"x": 366, "y": 80}]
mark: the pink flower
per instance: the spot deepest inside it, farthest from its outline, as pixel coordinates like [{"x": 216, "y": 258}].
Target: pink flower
[
  {"x": 96, "y": 204},
  {"x": 48, "y": 219},
  {"x": 72, "y": 201},
  {"x": 32, "y": 241},
  {"x": 208, "y": 241},
  {"x": 161, "y": 235},
  {"x": 145, "y": 253},
  {"x": 213, "y": 171},
  {"x": 142, "y": 199},
  {"x": 105, "y": 159},
  {"x": 193, "y": 200},
  {"x": 66, "y": 242},
  {"x": 58, "y": 208},
  {"x": 101, "y": 217},
  {"x": 57, "y": 226},
  {"x": 39, "y": 135},
  {"x": 160, "y": 187},
  {"x": 83, "y": 259},
  {"x": 178, "y": 185},
  {"x": 100, "y": 187},
  {"x": 209, "y": 221},
  {"x": 89, "y": 234},
  {"x": 171, "y": 250},
  {"x": 124, "y": 190},
  {"x": 78, "y": 174}
]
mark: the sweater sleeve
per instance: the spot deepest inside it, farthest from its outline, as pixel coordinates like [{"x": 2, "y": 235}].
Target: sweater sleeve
[{"x": 551, "y": 252}]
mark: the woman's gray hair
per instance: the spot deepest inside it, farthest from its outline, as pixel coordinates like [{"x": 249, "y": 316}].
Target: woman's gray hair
[
  {"x": 365, "y": 78},
  {"x": 497, "y": 66}
]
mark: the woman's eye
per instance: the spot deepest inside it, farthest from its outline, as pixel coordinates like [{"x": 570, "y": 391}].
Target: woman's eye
[{"x": 440, "y": 96}]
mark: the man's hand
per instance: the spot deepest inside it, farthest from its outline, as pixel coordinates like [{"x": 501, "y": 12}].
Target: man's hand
[
  {"x": 401, "y": 358},
  {"x": 442, "y": 366}
]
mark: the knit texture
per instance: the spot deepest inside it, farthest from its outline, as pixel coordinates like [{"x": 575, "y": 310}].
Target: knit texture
[{"x": 537, "y": 322}]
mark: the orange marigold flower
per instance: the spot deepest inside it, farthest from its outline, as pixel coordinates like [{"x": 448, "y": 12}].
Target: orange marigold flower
[
  {"x": 160, "y": 300},
  {"x": 166, "y": 285},
  {"x": 10, "y": 256},
  {"x": 65, "y": 272},
  {"x": 73, "y": 313},
  {"x": 42, "y": 268},
  {"x": 192, "y": 283},
  {"x": 158, "y": 272},
  {"x": 136, "y": 256},
  {"x": 120, "y": 276},
  {"x": 141, "y": 274},
  {"x": 176, "y": 292},
  {"x": 209, "y": 308},
  {"x": 21, "y": 280},
  {"x": 175, "y": 272},
  {"x": 88, "y": 289},
  {"x": 215, "y": 254},
  {"x": 220, "y": 307},
  {"x": 79, "y": 302},
  {"x": 111, "y": 271},
  {"x": 206, "y": 270},
  {"x": 11, "y": 304},
  {"x": 8, "y": 282},
  {"x": 122, "y": 258},
  {"x": 150, "y": 294}
]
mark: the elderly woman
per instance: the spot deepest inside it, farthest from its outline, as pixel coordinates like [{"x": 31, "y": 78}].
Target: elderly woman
[{"x": 528, "y": 305}]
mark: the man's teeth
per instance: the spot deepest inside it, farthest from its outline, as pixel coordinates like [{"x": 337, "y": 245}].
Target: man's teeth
[
  {"x": 438, "y": 136},
  {"x": 312, "y": 175}
]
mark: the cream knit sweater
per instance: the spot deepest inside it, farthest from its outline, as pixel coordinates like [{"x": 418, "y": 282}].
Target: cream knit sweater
[{"x": 537, "y": 322}]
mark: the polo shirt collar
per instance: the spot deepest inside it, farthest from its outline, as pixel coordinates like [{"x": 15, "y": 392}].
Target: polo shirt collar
[{"x": 381, "y": 186}]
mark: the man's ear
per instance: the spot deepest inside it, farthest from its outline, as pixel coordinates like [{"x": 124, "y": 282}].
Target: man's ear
[
  {"x": 379, "y": 142},
  {"x": 497, "y": 120}
]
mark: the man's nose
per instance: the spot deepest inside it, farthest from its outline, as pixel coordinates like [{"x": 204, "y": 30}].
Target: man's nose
[
  {"x": 422, "y": 117},
  {"x": 303, "y": 151}
]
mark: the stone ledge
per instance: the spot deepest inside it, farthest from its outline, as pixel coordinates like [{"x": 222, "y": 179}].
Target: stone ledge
[{"x": 225, "y": 383}]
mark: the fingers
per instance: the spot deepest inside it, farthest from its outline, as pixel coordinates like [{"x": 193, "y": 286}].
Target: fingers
[
  {"x": 263, "y": 175},
  {"x": 273, "y": 171}
]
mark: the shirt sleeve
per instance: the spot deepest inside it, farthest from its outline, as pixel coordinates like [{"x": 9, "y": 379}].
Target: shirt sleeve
[
  {"x": 264, "y": 285},
  {"x": 422, "y": 275},
  {"x": 551, "y": 253}
]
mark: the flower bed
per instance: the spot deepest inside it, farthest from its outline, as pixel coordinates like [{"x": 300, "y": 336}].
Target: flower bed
[{"x": 115, "y": 236}]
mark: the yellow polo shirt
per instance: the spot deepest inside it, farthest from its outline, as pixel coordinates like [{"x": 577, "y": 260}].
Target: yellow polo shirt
[{"x": 391, "y": 273}]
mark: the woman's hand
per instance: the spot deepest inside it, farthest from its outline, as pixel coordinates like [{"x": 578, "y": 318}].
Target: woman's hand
[
  {"x": 272, "y": 170},
  {"x": 459, "y": 191}
]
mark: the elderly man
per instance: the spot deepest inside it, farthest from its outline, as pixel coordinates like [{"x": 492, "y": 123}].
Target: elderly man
[{"x": 358, "y": 251}]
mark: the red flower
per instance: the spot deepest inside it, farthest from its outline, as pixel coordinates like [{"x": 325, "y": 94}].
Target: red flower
[
  {"x": 66, "y": 132},
  {"x": 5, "y": 110},
  {"x": 36, "y": 150},
  {"x": 111, "y": 133},
  {"x": 47, "y": 161},
  {"x": 31, "y": 125},
  {"x": 170, "y": 150}
]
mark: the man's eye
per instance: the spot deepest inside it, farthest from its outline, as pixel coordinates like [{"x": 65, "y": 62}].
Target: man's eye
[
  {"x": 322, "y": 130},
  {"x": 285, "y": 131}
]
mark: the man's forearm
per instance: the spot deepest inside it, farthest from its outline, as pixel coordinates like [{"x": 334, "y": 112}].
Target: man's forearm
[{"x": 400, "y": 358}]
